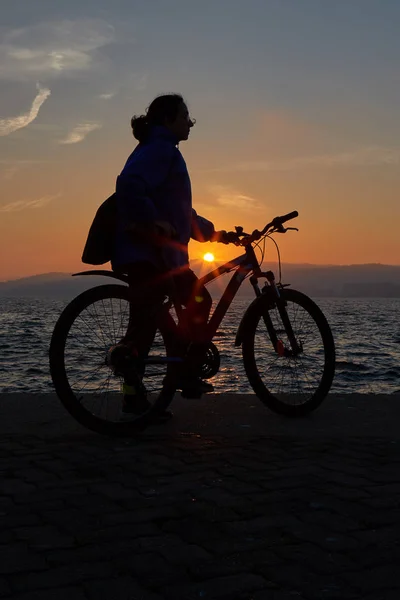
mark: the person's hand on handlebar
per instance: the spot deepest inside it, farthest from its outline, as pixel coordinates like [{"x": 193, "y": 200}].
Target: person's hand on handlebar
[{"x": 225, "y": 237}]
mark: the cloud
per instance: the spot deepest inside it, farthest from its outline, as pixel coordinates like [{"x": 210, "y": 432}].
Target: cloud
[
  {"x": 231, "y": 199},
  {"x": 19, "y": 205},
  {"x": 107, "y": 96},
  {"x": 12, "y": 124},
  {"x": 49, "y": 49},
  {"x": 79, "y": 133},
  {"x": 368, "y": 156}
]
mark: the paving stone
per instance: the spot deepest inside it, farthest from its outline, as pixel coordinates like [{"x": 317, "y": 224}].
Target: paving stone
[
  {"x": 61, "y": 576},
  {"x": 5, "y": 589},
  {"x": 16, "y": 558},
  {"x": 128, "y": 530},
  {"x": 32, "y": 475},
  {"x": 151, "y": 569},
  {"x": 185, "y": 554},
  {"x": 121, "y": 588},
  {"x": 141, "y": 515},
  {"x": 193, "y": 531},
  {"x": 93, "y": 553},
  {"x": 44, "y": 536},
  {"x": 379, "y": 535},
  {"x": 16, "y": 487},
  {"x": 64, "y": 593},
  {"x": 17, "y": 516},
  {"x": 220, "y": 588},
  {"x": 233, "y": 564},
  {"x": 114, "y": 491},
  {"x": 384, "y": 577}
]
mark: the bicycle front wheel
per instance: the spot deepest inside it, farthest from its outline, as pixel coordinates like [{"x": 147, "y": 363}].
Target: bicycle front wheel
[
  {"x": 288, "y": 383},
  {"x": 88, "y": 327}
]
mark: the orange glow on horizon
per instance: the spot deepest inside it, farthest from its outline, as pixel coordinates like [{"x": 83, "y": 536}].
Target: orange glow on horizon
[{"x": 345, "y": 216}]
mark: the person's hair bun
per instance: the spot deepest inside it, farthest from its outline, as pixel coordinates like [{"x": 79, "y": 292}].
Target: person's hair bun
[{"x": 140, "y": 127}]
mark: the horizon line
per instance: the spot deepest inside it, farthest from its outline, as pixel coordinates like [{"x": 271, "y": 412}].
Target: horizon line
[{"x": 199, "y": 260}]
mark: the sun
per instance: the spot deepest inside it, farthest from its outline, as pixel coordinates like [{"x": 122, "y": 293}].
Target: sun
[{"x": 208, "y": 257}]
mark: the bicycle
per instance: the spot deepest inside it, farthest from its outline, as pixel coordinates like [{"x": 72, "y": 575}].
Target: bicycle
[{"x": 287, "y": 345}]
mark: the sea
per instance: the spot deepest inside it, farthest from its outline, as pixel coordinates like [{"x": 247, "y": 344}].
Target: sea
[{"x": 366, "y": 332}]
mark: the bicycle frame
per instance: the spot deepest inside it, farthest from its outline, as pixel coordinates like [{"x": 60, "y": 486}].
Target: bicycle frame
[{"x": 243, "y": 265}]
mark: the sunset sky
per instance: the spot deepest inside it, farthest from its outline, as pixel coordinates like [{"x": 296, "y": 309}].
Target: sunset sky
[{"x": 297, "y": 108}]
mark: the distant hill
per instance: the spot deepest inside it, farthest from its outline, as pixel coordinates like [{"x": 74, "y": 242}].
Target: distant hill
[
  {"x": 369, "y": 280},
  {"x": 50, "y": 285}
]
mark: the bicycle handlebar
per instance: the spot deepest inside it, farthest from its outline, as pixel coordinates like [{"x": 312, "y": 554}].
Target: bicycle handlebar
[
  {"x": 276, "y": 224},
  {"x": 288, "y": 217}
]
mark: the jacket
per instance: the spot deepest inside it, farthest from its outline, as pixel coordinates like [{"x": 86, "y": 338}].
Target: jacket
[{"x": 154, "y": 185}]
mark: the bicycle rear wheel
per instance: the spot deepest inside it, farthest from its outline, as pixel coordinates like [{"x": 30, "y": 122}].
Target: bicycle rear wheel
[
  {"x": 88, "y": 327},
  {"x": 290, "y": 385}
]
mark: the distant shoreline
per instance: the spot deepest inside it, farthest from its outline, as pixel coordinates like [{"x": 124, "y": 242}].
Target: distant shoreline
[{"x": 317, "y": 281}]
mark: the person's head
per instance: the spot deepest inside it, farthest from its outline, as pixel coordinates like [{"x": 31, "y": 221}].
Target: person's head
[{"x": 169, "y": 110}]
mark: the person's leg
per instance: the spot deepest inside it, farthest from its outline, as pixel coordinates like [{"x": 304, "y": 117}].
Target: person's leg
[
  {"x": 197, "y": 300},
  {"x": 146, "y": 295}
]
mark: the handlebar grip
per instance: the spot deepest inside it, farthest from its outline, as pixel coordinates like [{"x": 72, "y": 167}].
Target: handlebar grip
[{"x": 288, "y": 217}]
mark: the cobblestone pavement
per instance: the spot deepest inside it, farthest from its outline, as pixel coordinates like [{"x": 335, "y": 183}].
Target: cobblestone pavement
[{"x": 182, "y": 514}]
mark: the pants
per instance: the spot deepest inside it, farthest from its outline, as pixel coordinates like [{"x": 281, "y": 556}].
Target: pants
[{"x": 148, "y": 287}]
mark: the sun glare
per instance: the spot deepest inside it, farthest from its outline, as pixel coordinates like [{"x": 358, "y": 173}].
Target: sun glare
[{"x": 208, "y": 257}]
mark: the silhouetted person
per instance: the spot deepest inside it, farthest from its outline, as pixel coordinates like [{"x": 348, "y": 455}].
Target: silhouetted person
[{"x": 155, "y": 221}]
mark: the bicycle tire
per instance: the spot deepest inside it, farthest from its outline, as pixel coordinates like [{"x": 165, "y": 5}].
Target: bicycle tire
[
  {"x": 57, "y": 357},
  {"x": 320, "y": 348}
]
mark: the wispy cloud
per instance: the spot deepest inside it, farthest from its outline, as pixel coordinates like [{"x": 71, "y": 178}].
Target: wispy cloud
[
  {"x": 19, "y": 205},
  {"x": 48, "y": 49},
  {"x": 368, "y": 156},
  {"x": 229, "y": 198},
  {"x": 12, "y": 124},
  {"x": 107, "y": 96},
  {"x": 79, "y": 133}
]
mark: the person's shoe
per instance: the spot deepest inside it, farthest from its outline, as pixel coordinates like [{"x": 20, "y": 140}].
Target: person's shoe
[{"x": 194, "y": 387}]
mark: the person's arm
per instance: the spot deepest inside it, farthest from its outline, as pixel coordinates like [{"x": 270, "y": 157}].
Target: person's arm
[{"x": 202, "y": 229}]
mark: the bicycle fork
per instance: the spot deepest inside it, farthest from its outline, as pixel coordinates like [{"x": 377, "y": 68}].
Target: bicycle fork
[{"x": 277, "y": 343}]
